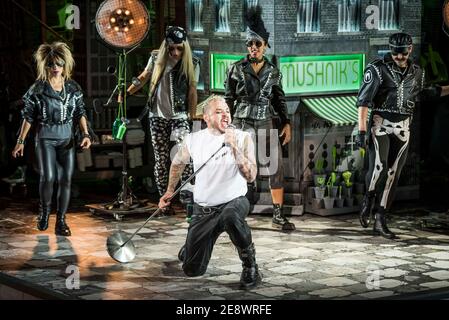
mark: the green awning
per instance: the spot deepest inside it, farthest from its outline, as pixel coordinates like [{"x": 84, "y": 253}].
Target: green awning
[{"x": 339, "y": 110}]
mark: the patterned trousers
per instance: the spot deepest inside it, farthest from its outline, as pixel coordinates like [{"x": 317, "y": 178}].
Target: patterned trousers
[{"x": 163, "y": 131}]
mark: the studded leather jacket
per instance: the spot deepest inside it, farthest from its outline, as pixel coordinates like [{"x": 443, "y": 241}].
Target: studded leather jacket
[
  {"x": 252, "y": 96},
  {"x": 179, "y": 86},
  {"x": 386, "y": 88},
  {"x": 47, "y": 108}
]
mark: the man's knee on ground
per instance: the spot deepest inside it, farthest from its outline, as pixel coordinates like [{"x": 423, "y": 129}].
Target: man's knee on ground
[{"x": 194, "y": 270}]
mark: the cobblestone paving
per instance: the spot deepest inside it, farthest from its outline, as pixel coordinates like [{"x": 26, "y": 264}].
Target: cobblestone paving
[{"x": 325, "y": 258}]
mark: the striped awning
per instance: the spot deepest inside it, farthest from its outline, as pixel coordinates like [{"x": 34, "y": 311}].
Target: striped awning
[{"x": 339, "y": 110}]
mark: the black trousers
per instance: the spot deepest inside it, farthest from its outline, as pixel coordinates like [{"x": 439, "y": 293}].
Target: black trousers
[
  {"x": 207, "y": 224},
  {"x": 268, "y": 149},
  {"x": 388, "y": 148},
  {"x": 56, "y": 160}
]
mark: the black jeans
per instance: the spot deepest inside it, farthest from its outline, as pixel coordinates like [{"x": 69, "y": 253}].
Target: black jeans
[
  {"x": 207, "y": 224},
  {"x": 56, "y": 160}
]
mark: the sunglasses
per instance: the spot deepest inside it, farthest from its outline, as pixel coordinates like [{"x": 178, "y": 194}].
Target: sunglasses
[
  {"x": 400, "y": 50},
  {"x": 179, "y": 48},
  {"x": 256, "y": 42},
  {"x": 53, "y": 64}
]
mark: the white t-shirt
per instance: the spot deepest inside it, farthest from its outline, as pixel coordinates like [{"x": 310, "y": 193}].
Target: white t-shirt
[{"x": 220, "y": 180}]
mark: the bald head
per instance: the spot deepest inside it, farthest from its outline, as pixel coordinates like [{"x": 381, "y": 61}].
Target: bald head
[
  {"x": 211, "y": 102},
  {"x": 216, "y": 113}
]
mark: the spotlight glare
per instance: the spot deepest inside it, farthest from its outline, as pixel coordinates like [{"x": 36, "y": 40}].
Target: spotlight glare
[
  {"x": 116, "y": 28},
  {"x": 127, "y": 12},
  {"x": 113, "y": 20},
  {"x": 119, "y": 11},
  {"x": 131, "y": 21},
  {"x": 126, "y": 29}
]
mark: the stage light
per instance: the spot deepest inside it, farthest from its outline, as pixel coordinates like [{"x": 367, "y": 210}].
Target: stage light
[{"x": 116, "y": 22}]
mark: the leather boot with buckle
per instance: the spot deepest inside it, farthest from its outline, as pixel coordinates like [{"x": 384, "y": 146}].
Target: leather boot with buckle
[
  {"x": 250, "y": 276},
  {"x": 380, "y": 225},
  {"x": 366, "y": 210},
  {"x": 61, "y": 228},
  {"x": 42, "y": 220},
  {"x": 279, "y": 220}
]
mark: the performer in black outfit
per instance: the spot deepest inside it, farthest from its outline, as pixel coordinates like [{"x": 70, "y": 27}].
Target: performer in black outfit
[
  {"x": 219, "y": 194},
  {"x": 255, "y": 96},
  {"x": 53, "y": 105},
  {"x": 173, "y": 72},
  {"x": 391, "y": 88}
]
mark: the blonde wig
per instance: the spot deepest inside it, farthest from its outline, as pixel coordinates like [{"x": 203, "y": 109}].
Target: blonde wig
[
  {"x": 186, "y": 64},
  {"x": 55, "y": 52}
]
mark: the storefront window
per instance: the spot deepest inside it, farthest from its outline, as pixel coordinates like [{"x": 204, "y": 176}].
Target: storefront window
[
  {"x": 308, "y": 16},
  {"x": 200, "y": 54},
  {"x": 389, "y": 14},
  {"x": 349, "y": 15},
  {"x": 222, "y": 15},
  {"x": 195, "y": 9}
]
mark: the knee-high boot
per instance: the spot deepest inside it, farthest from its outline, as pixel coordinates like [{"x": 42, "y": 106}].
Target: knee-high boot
[{"x": 250, "y": 273}]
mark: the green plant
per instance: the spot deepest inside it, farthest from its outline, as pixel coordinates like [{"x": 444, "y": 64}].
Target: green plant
[
  {"x": 320, "y": 181},
  {"x": 330, "y": 182},
  {"x": 347, "y": 178},
  {"x": 319, "y": 166}
]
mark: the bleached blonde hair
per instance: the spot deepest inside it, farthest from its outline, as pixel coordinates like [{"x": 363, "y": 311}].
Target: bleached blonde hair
[
  {"x": 187, "y": 67},
  {"x": 54, "y": 52}
]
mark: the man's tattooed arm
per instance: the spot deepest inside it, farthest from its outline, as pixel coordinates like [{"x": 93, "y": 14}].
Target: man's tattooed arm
[
  {"x": 246, "y": 159},
  {"x": 180, "y": 161}
]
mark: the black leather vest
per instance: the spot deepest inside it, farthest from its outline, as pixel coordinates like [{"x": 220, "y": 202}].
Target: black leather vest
[
  {"x": 179, "y": 86},
  {"x": 388, "y": 89}
]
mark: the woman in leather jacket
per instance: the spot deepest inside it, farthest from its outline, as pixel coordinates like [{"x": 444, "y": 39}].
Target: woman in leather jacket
[
  {"x": 53, "y": 105},
  {"x": 254, "y": 94}
]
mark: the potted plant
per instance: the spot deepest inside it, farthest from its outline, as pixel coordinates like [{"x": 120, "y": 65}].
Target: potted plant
[
  {"x": 320, "y": 189},
  {"x": 339, "y": 202},
  {"x": 347, "y": 184},
  {"x": 319, "y": 172}
]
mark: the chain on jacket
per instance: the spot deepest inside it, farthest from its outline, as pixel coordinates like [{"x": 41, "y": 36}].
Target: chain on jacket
[
  {"x": 179, "y": 86},
  {"x": 386, "y": 88},
  {"x": 45, "y": 107},
  {"x": 252, "y": 96}
]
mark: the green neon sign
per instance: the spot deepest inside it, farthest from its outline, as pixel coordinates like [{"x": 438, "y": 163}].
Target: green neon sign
[
  {"x": 313, "y": 74},
  {"x": 219, "y": 64}
]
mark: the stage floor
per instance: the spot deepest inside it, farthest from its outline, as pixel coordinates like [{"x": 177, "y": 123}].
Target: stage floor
[{"x": 325, "y": 258}]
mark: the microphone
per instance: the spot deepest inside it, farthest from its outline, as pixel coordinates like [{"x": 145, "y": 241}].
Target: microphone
[{"x": 231, "y": 127}]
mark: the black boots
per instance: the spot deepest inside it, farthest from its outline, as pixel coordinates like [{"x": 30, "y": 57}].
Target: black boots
[
  {"x": 182, "y": 254},
  {"x": 250, "y": 274},
  {"x": 279, "y": 220},
  {"x": 61, "y": 228},
  {"x": 42, "y": 220},
  {"x": 366, "y": 210},
  {"x": 380, "y": 225}
]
